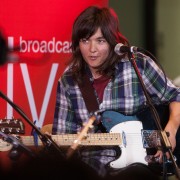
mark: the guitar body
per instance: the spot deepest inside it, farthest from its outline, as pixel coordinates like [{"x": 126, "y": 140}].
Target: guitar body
[{"x": 129, "y": 126}]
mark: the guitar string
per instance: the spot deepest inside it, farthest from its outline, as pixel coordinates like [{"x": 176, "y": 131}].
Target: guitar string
[{"x": 70, "y": 138}]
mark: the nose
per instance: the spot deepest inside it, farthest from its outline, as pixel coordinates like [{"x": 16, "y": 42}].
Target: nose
[{"x": 92, "y": 47}]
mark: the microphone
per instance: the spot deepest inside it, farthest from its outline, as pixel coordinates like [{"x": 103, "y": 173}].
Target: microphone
[{"x": 120, "y": 49}]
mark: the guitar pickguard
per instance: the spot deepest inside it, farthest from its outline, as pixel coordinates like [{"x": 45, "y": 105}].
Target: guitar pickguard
[{"x": 132, "y": 149}]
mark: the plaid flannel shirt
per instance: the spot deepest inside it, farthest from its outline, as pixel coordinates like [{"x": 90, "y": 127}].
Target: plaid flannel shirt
[{"x": 124, "y": 94}]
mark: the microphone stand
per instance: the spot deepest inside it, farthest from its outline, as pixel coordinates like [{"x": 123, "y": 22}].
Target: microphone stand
[
  {"x": 48, "y": 142},
  {"x": 165, "y": 141}
]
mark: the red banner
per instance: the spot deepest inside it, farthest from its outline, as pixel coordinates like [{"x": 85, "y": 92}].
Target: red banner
[{"x": 40, "y": 34}]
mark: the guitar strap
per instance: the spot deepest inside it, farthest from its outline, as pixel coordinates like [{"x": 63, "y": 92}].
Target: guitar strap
[
  {"x": 90, "y": 98},
  {"x": 88, "y": 94}
]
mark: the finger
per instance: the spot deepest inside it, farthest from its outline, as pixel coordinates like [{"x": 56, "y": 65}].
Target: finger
[
  {"x": 159, "y": 156},
  {"x": 47, "y": 133},
  {"x": 158, "y": 153}
]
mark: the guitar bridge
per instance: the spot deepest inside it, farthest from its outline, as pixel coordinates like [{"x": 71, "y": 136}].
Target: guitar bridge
[{"x": 151, "y": 138}]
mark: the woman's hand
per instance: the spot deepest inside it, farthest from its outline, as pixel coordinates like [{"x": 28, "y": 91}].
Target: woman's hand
[{"x": 172, "y": 143}]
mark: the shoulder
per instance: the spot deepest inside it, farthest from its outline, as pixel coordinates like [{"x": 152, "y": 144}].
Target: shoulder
[
  {"x": 142, "y": 60},
  {"x": 67, "y": 78},
  {"x": 138, "y": 57}
]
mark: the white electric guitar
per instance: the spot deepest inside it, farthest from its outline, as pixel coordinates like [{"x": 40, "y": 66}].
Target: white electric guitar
[{"x": 127, "y": 135}]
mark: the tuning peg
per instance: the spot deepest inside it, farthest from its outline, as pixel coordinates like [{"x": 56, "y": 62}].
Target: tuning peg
[{"x": 8, "y": 121}]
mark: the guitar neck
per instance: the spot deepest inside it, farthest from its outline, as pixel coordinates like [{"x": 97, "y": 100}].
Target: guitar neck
[{"x": 98, "y": 139}]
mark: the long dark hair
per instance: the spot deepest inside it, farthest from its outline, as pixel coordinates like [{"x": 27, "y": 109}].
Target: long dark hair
[{"x": 85, "y": 25}]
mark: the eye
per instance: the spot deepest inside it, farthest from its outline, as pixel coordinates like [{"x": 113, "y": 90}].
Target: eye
[
  {"x": 101, "y": 41},
  {"x": 84, "y": 40}
]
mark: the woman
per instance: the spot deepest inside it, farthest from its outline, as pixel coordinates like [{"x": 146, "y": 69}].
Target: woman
[{"x": 114, "y": 82}]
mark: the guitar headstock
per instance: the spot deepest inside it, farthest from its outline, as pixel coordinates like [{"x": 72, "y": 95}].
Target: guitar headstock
[{"x": 11, "y": 126}]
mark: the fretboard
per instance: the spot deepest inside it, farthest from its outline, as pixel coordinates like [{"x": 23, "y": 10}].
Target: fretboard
[{"x": 98, "y": 139}]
